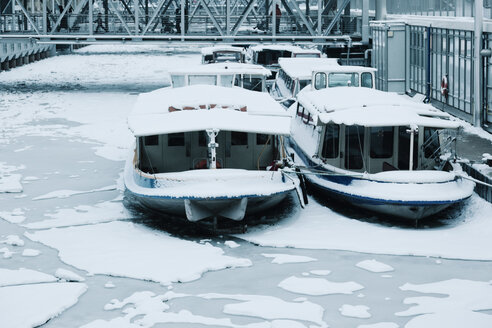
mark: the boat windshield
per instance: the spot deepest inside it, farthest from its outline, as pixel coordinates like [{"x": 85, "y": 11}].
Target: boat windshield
[
  {"x": 252, "y": 83},
  {"x": 178, "y": 81},
  {"x": 343, "y": 80},
  {"x": 307, "y": 55},
  {"x": 202, "y": 79},
  {"x": 227, "y": 56}
]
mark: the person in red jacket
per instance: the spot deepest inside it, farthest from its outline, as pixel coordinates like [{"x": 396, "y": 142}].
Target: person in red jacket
[{"x": 278, "y": 14}]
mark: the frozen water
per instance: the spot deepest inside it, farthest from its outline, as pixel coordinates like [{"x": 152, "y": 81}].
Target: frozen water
[
  {"x": 16, "y": 216},
  {"x": 318, "y": 286},
  {"x": 68, "y": 275},
  {"x": 287, "y": 258},
  {"x": 374, "y": 266}
]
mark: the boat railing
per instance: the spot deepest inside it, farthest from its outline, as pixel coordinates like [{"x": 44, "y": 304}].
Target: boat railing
[{"x": 447, "y": 145}]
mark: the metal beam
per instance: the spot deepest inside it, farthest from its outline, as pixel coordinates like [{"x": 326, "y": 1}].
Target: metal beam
[
  {"x": 156, "y": 12},
  {"x": 121, "y": 19},
  {"x": 58, "y": 21},
  {"x": 291, "y": 13},
  {"x": 303, "y": 18},
  {"x": 27, "y": 16},
  {"x": 91, "y": 17},
  {"x": 337, "y": 17},
  {"x": 45, "y": 18},
  {"x": 244, "y": 14},
  {"x": 209, "y": 13}
]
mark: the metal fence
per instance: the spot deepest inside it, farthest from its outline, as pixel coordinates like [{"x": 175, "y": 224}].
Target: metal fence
[{"x": 456, "y": 8}]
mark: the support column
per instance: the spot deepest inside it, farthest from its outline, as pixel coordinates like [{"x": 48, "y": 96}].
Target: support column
[
  {"x": 320, "y": 5},
  {"x": 182, "y": 17},
  {"x": 137, "y": 14},
  {"x": 365, "y": 21},
  {"x": 228, "y": 17},
  {"x": 477, "y": 65},
  {"x": 45, "y": 18},
  {"x": 91, "y": 17},
  {"x": 380, "y": 9},
  {"x": 274, "y": 17}
]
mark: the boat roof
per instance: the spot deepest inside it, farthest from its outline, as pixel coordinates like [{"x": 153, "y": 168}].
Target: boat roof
[
  {"x": 370, "y": 107},
  {"x": 201, "y": 107},
  {"x": 283, "y": 47},
  {"x": 211, "y": 50},
  {"x": 302, "y": 68},
  {"x": 223, "y": 68},
  {"x": 344, "y": 69}
]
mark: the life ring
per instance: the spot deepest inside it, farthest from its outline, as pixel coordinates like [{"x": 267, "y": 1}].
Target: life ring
[{"x": 444, "y": 86}]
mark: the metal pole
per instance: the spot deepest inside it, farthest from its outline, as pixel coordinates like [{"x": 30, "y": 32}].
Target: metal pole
[
  {"x": 274, "y": 17},
  {"x": 45, "y": 18},
  {"x": 380, "y": 9},
  {"x": 137, "y": 14},
  {"x": 182, "y": 17},
  {"x": 410, "y": 161},
  {"x": 91, "y": 17},
  {"x": 477, "y": 65},
  {"x": 228, "y": 17},
  {"x": 319, "y": 16}
]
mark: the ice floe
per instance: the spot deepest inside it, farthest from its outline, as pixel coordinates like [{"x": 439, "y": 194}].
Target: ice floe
[
  {"x": 374, "y": 266},
  {"x": 231, "y": 244},
  {"x": 6, "y": 252},
  {"x": 68, "y": 275},
  {"x": 135, "y": 251},
  {"x": 460, "y": 308},
  {"x": 23, "y": 276},
  {"x": 318, "y": 227},
  {"x": 15, "y": 216},
  {"x": 69, "y": 193},
  {"x": 318, "y": 286},
  {"x": 29, "y": 252},
  {"x": 380, "y": 325},
  {"x": 13, "y": 240},
  {"x": 287, "y": 258},
  {"x": 320, "y": 272},
  {"x": 355, "y": 311}
]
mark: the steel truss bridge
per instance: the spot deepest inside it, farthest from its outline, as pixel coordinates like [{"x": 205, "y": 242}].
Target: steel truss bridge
[{"x": 197, "y": 21}]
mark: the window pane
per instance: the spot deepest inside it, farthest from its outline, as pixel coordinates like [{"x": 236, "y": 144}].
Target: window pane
[
  {"x": 320, "y": 81},
  {"x": 202, "y": 79},
  {"x": 151, "y": 140},
  {"x": 226, "y": 80},
  {"x": 431, "y": 142},
  {"x": 176, "y": 139},
  {"x": 262, "y": 139},
  {"x": 239, "y": 139},
  {"x": 366, "y": 80},
  {"x": 202, "y": 139},
  {"x": 382, "y": 142},
  {"x": 331, "y": 141},
  {"x": 354, "y": 147},
  {"x": 178, "y": 81},
  {"x": 343, "y": 80},
  {"x": 252, "y": 83},
  {"x": 303, "y": 83}
]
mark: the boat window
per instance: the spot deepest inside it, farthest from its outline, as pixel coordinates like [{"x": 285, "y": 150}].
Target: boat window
[
  {"x": 202, "y": 79},
  {"x": 208, "y": 58},
  {"x": 303, "y": 83},
  {"x": 237, "y": 80},
  {"x": 178, "y": 81},
  {"x": 300, "y": 110},
  {"x": 175, "y": 139},
  {"x": 227, "y": 56},
  {"x": 226, "y": 80},
  {"x": 366, "y": 80},
  {"x": 354, "y": 147},
  {"x": 307, "y": 55},
  {"x": 252, "y": 83},
  {"x": 320, "y": 81},
  {"x": 331, "y": 141},
  {"x": 343, "y": 80},
  {"x": 151, "y": 140},
  {"x": 202, "y": 139},
  {"x": 262, "y": 139},
  {"x": 382, "y": 142},
  {"x": 431, "y": 143},
  {"x": 239, "y": 139},
  {"x": 404, "y": 149}
]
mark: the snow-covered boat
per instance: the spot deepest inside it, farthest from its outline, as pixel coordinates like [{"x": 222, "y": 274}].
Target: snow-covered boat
[
  {"x": 377, "y": 150},
  {"x": 222, "y": 53},
  {"x": 207, "y": 151},
  {"x": 247, "y": 76}
]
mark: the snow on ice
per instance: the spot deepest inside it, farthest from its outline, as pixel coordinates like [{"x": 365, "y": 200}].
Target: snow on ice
[
  {"x": 68, "y": 275},
  {"x": 23, "y": 276},
  {"x": 355, "y": 311},
  {"x": 13, "y": 240},
  {"x": 380, "y": 325},
  {"x": 134, "y": 251},
  {"x": 68, "y": 193},
  {"x": 29, "y": 252},
  {"x": 231, "y": 244},
  {"x": 15, "y": 216},
  {"x": 320, "y": 272},
  {"x": 374, "y": 266},
  {"x": 318, "y": 286},
  {"x": 287, "y": 258}
]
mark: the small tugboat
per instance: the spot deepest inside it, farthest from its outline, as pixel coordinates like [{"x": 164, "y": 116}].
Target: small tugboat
[
  {"x": 378, "y": 151},
  {"x": 206, "y": 151},
  {"x": 247, "y": 76},
  {"x": 224, "y": 53}
]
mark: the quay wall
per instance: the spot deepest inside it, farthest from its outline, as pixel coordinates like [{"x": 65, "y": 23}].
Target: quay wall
[{"x": 14, "y": 53}]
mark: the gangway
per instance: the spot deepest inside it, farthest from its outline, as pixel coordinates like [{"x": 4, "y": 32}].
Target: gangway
[{"x": 197, "y": 21}]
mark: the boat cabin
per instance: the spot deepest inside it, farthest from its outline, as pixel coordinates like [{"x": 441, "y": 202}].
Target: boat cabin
[
  {"x": 219, "y": 54},
  {"x": 295, "y": 74},
  {"x": 247, "y": 76},
  {"x": 206, "y": 127},
  {"x": 343, "y": 76},
  {"x": 268, "y": 55},
  {"x": 366, "y": 130}
]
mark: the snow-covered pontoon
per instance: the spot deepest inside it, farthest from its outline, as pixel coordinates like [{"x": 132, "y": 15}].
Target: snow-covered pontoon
[
  {"x": 247, "y": 76},
  {"x": 294, "y": 75},
  {"x": 377, "y": 150},
  {"x": 207, "y": 151},
  {"x": 223, "y": 53}
]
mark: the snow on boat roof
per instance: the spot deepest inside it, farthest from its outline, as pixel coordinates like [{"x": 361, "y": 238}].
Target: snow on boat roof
[
  {"x": 370, "y": 107},
  {"x": 211, "y": 50},
  {"x": 344, "y": 69},
  {"x": 223, "y": 68},
  {"x": 282, "y": 47},
  {"x": 201, "y": 107},
  {"x": 303, "y": 68}
]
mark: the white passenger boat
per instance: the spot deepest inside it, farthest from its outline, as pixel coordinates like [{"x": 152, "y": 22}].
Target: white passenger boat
[
  {"x": 222, "y": 53},
  {"x": 295, "y": 74},
  {"x": 207, "y": 151},
  {"x": 377, "y": 150},
  {"x": 247, "y": 76}
]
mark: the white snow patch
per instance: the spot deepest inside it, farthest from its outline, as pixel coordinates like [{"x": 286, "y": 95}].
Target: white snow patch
[
  {"x": 109, "y": 284},
  {"x": 287, "y": 258},
  {"x": 317, "y": 227},
  {"x": 22, "y": 149},
  {"x": 29, "y": 252},
  {"x": 10, "y": 183},
  {"x": 33, "y": 305},
  {"x": 135, "y": 251},
  {"x": 374, "y": 266},
  {"x": 6, "y": 252},
  {"x": 31, "y": 178},
  {"x": 68, "y": 275},
  {"x": 23, "y": 276},
  {"x": 231, "y": 244},
  {"x": 380, "y": 325},
  {"x": 355, "y": 311},
  {"x": 83, "y": 214},
  {"x": 318, "y": 286},
  {"x": 459, "y": 309},
  {"x": 16, "y": 216},
  {"x": 68, "y": 193},
  {"x": 13, "y": 240},
  {"x": 320, "y": 272}
]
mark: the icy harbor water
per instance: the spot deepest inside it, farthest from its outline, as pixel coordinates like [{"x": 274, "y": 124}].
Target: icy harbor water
[{"x": 72, "y": 255}]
